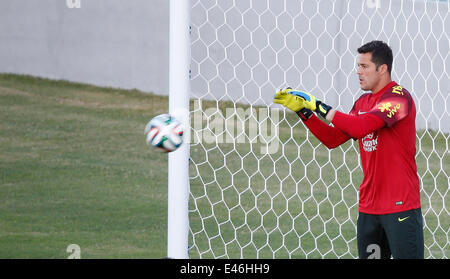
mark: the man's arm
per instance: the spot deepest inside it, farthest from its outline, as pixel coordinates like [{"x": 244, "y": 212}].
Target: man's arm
[
  {"x": 346, "y": 126},
  {"x": 355, "y": 126},
  {"x": 330, "y": 136},
  {"x": 330, "y": 115}
]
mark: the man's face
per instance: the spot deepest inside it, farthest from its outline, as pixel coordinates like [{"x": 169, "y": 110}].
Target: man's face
[{"x": 367, "y": 72}]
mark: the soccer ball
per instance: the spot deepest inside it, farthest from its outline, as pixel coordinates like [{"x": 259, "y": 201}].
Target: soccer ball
[{"x": 164, "y": 133}]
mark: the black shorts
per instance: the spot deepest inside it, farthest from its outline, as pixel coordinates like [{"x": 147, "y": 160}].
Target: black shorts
[{"x": 397, "y": 234}]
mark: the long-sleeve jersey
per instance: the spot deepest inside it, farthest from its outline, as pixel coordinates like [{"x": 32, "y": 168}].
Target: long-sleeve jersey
[{"x": 384, "y": 125}]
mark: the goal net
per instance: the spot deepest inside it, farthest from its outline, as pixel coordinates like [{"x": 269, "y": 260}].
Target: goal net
[{"x": 261, "y": 185}]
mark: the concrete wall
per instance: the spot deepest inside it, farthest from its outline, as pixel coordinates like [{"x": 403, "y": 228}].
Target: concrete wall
[
  {"x": 113, "y": 43},
  {"x": 241, "y": 50}
]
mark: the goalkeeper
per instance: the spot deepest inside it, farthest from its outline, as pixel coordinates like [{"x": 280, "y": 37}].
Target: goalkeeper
[{"x": 383, "y": 122}]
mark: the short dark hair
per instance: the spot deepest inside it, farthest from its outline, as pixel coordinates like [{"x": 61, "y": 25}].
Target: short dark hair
[{"x": 381, "y": 53}]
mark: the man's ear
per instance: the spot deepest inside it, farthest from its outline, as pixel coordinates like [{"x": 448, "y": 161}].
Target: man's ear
[{"x": 383, "y": 68}]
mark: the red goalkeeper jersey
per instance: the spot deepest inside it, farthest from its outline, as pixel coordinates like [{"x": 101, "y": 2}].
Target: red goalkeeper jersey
[{"x": 390, "y": 181}]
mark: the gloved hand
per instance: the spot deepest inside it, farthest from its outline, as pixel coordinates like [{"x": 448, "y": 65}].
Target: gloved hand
[
  {"x": 310, "y": 102},
  {"x": 291, "y": 101}
]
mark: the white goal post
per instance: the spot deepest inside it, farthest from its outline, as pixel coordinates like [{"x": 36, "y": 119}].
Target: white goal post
[
  {"x": 179, "y": 90},
  {"x": 253, "y": 182}
]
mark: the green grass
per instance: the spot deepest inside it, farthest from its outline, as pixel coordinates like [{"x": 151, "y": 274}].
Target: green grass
[{"x": 75, "y": 168}]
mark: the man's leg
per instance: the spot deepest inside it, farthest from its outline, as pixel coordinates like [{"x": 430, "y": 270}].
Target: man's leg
[
  {"x": 404, "y": 231},
  {"x": 371, "y": 238}
]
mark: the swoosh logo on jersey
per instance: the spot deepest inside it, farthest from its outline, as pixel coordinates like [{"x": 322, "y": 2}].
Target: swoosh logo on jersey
[
  {"x": 361, "y": 112},
  {"x": 402, "y": 219}
]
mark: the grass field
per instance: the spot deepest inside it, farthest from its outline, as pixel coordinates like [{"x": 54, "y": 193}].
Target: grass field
[{"x": 75, "y": 168}]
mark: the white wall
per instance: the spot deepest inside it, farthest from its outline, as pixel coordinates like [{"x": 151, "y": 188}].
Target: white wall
[
  {"x": 124, "y": 43},
  {"x": 113, "y": 43}
]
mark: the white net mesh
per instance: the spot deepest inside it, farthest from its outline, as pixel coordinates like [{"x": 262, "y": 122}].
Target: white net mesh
[{"x": 261, "y": 185}]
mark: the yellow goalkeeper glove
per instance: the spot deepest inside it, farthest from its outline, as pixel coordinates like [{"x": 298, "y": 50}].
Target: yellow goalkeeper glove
[
  {"x": 311, "y": 102},
  {"x": 291, "y": 101}
]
